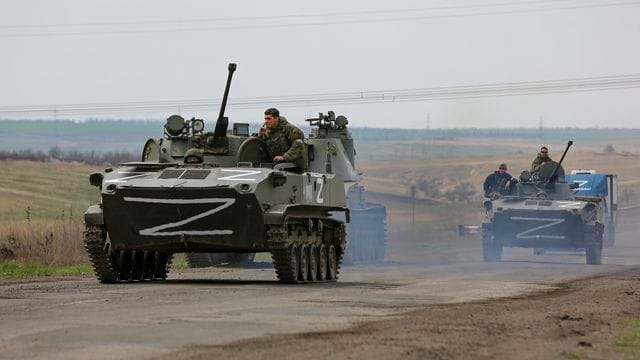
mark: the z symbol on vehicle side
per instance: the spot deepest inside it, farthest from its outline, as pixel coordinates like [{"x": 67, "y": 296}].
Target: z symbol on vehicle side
[
  {"x": 547, "y": 223},
  {"x": 158, "y": 230}
]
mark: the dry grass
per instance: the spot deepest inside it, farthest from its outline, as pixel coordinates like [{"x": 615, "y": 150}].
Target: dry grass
[
  {"x": 396, "y": 177},
  {"x": 41, "y": 207},
  {"x": 41, "y": 204},
  {"x": 57, "y": 242}
]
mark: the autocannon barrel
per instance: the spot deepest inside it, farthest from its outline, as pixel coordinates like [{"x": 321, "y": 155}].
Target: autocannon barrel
[{"x": 223, "y": 123}]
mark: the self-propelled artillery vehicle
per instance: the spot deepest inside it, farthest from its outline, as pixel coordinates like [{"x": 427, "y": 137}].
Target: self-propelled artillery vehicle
[
  {"x": 217, "y": 192},
  {"x": 543, "y": 212}
]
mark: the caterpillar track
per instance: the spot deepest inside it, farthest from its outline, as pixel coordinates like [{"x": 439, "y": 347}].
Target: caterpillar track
[
  {"x": 309, "y": 250},
  {"x": 123, "y": 265}
]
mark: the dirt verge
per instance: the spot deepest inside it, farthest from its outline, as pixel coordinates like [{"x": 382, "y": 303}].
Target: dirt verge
[{"x": 576, "y": 321}]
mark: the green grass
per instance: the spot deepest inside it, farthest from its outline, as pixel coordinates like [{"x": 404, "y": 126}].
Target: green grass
[
  {"x": 627, "y": 344},
  {"x": 14, "y": 269},
  {"x": 45, "y": 190}
]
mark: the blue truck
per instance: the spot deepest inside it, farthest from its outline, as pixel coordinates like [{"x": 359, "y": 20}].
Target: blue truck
[{"x": 604, "y": 187}]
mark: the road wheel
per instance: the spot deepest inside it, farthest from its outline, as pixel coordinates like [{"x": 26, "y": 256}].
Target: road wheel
[
  {"x": 304, "y": 263},
  {"x": 322, "y": 262},
  {"x": 149, "y": 264},
  {"x": 332, "y": 263},
  {"x": 491, "y": 248},
  {"x": 124, "y": 265},
  {"x": 137, "y": 265},
  {"x": 294, "y": 264},
  {"x": 313, "y": 262}
]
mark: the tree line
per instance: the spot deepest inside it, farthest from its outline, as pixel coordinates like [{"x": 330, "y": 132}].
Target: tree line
[{"x": 84, "y": 157}]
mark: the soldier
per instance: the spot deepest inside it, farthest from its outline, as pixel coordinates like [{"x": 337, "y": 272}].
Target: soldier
[
  {"x": 541, "y": 159},
  {"x": 284, "y": 140},
  {"x": 193, "y": 156},
  {"x": 498, "y": 182}
]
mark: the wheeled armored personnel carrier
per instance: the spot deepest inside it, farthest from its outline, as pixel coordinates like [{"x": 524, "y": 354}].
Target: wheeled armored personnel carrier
[
  {"x": 215, "y": 192},
  {"x": 604, "y": 188},
  {"x": 542, "y": 212}
]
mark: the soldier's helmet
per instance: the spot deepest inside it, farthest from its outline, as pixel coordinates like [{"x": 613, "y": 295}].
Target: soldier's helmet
[{"x": 193, "y": 156}]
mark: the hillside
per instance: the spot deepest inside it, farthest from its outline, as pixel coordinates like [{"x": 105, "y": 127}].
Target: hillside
[{"x": 44, "y": 190}]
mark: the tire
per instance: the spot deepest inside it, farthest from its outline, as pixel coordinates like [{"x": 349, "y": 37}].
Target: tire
[
  {"x": 609, "y": 237},
  {"x": 491, "y": 248},
  {"x": 593, "y": 245}
]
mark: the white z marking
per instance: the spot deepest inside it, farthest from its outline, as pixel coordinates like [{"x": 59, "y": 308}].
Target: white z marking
[
  {"x": 125, "y": 178},
  {"x": 581, "y": 183},
  {"x": 549, "y": 222},
  {"x": 157, "y": 230},
  {"x": 241, "y": 174},
  {"x": 319, "y": 198}
]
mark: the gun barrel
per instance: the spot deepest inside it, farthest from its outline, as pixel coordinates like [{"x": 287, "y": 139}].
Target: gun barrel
[
  {"x": 560, "y": 162},
  {"x": 222, "y": 124}
]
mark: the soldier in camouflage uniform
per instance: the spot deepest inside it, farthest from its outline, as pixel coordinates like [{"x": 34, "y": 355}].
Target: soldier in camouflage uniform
[
  {"x": 284, "y": 140},
  {"x": 541, "y": 159}
]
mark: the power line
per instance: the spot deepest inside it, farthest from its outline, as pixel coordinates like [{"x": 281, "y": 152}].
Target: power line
[
  {"x": 575, "y": 85},
  {"x": 289, "y": 16},
  {"x": 317, "y": 23}
]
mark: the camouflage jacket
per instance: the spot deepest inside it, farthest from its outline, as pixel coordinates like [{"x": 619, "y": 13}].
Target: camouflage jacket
[
  {"x": 496, "y": 182},
  {"x": 286, "y": 140},
  {"x": 537, "y": 162}
]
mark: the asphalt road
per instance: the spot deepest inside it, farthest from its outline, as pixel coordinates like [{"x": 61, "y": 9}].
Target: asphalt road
[{"x": 79, "y": 318}]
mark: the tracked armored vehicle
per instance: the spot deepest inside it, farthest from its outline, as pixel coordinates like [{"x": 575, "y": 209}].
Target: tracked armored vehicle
[
  {"x": 366, "y": 230},
  {"x": 542, "y": 212},
  {"x": 214, "y": 192}
]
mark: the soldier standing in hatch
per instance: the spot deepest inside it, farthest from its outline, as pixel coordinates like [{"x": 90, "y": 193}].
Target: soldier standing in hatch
[
  {"x": 284, "y": 140},
  {"x": 497, "y": 182},
  {"x": 541, "y": 159}
]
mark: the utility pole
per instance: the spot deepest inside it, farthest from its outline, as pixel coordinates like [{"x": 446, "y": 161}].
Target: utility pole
[
  {"x": 540, "y": 135},
  {"x": 413, "y": 208}
]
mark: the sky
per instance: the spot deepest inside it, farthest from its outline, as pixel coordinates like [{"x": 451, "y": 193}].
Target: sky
[{"x": 405, "y": 64}]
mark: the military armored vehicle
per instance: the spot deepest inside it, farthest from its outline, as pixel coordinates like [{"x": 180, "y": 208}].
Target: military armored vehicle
[
  {"x": 542, "y": 211},
  {"x": 604, "y": 188},
  {"x": 218, "y": 192},
  {"x": 366, "y": 230}
]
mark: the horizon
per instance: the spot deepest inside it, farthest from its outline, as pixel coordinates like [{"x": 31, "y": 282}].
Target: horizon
[{"x": 435, "y": 64}]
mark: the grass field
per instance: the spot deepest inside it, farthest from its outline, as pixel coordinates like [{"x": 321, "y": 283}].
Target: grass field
[
  {"x": 41, "y": 204},
  {"x": 48, "y": 191}
]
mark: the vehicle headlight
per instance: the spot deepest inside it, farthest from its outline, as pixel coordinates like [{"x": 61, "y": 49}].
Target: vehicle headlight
[{"x": 197, "y": 125}]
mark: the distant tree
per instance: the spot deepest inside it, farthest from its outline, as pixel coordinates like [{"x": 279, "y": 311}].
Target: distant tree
[{"x": 609, "y": 149}]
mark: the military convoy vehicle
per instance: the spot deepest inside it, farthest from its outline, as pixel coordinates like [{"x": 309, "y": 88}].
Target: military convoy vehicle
[
  {"x": 366, "y": 230},
  {"x": 542, "y": 211},
  {"x": 603, "y": 187},
  {"x": 215, "y": 192}
]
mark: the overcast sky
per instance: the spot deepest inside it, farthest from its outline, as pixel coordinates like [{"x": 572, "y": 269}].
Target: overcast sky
[{"x": 75, "y": 54}]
